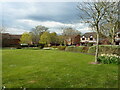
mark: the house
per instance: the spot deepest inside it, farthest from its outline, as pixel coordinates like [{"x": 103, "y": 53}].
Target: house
[
  {"x": 72, "y": 40},
  {"x": 88, "y": 38},
  {"x": 117, "y": 38},
  {"x": 10, "y": 40}
]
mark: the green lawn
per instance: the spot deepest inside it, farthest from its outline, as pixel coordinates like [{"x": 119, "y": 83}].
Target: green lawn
[{"x": 55, "y": 69}]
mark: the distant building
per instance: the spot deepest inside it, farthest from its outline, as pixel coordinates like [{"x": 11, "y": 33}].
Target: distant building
[
  {"x": 72, "y": 40},
  {"x": 10, "y": 39},
  {"x": 88, "y": 38}
]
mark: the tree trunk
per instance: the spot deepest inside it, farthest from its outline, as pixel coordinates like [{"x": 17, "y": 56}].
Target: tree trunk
[
  {"x": 97, "y": 48},
  {"x": 113, "y": 38}
]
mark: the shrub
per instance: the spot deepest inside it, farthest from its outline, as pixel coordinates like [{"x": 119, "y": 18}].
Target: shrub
[
  {"x": 83, "y": 49},
  {"x": 90, "y": 44},
  {"x": 18, "y": 47},
  {"x": 109, "y": 59},
  {"x": 107, "y": 49},
  {"x": 54, "y": 46},
  {"x": 61, "y": 47},
  {"x": 41, "y": 46}
]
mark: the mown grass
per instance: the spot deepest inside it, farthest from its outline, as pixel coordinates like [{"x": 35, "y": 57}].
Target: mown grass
[{"x": 55, "y": 69}]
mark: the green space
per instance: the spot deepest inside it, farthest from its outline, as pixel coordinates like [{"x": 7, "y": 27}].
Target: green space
[{"x": 55, "y": 69}]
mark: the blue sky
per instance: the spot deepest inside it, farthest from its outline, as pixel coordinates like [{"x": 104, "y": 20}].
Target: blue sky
[{"x": 21, "y": 17}]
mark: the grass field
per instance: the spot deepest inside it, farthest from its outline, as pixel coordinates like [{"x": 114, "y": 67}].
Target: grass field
[{"x": 55, "y": 69}]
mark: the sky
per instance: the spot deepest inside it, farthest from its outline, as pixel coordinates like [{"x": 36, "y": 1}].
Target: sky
[{"x": 20, "y": 17}]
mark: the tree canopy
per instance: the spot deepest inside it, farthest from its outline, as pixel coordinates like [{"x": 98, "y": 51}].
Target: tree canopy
[
  {"x": 37, "y": 32},
  {"x": 70, "y": 31},
  {"x": 26, "y": 38}
]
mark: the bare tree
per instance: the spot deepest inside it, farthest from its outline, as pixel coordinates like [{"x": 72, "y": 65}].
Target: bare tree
[
  {"x": 70, "y": 31},
  {"x": 93, "y": 13},
  {"x": 2, "y": 29},
  {"x": 37, "y": 32},
  {"x": 112, "y": 22}
]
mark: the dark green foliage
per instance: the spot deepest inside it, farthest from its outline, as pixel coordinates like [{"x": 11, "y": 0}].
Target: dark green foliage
[
  {"x": 83, "y": 49},
  {"x": 19, "y": 47},
  {"x": 41, "y": 46},
  {"x": 106, "y": 49},
  {"x": 109, "y": 59},
  {"x": 61, "y": 47}
]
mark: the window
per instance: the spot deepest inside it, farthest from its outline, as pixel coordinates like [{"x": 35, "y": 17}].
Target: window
[
  {"x": 118, "y": 35},
  {"x": 83, "y": 38},
  {"x": 91, "y": 38}
]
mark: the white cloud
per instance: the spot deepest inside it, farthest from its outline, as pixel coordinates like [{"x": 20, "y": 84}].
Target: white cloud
[
  {"x": 55, "y": 26},
  {"x": 15, "y": 31},
  {"x": 52, "y": 25}
]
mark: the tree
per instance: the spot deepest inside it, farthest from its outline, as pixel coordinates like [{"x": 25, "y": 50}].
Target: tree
[
  {"x": 68, "y": 31},
  {"x": 37, "y": 32},
  {"x": 61, "y": 39},
  {"x": 53, "y": 38},
  {"x": 112, "y": 22},
  {"x": 94, "y": 15},
  {"x": 45, "y": 38},
  {"x": 2, "y": 29},
  {"x": 26, "y": 38}
]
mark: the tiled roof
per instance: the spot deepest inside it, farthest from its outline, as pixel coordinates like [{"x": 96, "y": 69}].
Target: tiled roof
[
  {"x": 87, "y": 35},
  {"x": 10, "y": 36}
]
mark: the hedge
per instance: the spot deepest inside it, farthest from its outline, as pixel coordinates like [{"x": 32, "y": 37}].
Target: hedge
[
  {"x": 83, "y": 49},
  {"x": 106, "y": 49},
  {"x": 61, "y": 47}
]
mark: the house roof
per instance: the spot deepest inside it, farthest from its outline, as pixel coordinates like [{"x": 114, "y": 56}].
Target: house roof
[
  {"x": 87, "y": 35},
  {"x": 10, "y": 36}
]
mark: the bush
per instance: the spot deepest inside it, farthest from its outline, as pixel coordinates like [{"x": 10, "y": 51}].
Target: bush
[
  {"x": 109, "y": 59},
  {"x": 61, "y": 47},
  {"x": 18, "y": 47},
  {"x": 54, "y": 46},
  {"x": 107, "y": 49},
  {"x": 90, "y": 44},
  {"x": 83, "y": 49},
  {"x": 41, "y": 46}
]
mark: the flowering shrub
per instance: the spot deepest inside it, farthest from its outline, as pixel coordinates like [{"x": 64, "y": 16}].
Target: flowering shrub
[{"x": 109, "y": 58}]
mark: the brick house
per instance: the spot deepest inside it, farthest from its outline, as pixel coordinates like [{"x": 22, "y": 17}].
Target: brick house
[
  {"x": 10, "y": 39},
  {"x": 72, "y": 40}
]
